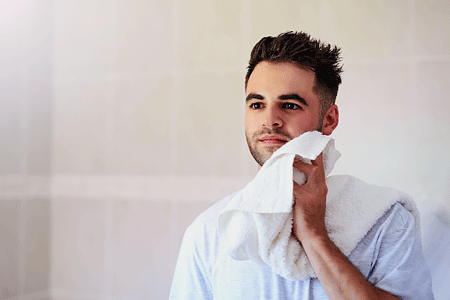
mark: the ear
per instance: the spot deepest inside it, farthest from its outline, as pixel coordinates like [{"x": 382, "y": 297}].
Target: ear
[{"x": 330, "y": 120}]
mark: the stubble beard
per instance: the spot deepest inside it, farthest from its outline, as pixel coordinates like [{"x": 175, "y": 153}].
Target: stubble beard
[
  {"x": 258, "y": 155},
  {"x": 261, "y": 156}
]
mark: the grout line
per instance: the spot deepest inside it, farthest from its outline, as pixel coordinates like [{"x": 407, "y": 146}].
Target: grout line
[
  {"x": 107, "y": 188},
  {"x": 24, "y": 116},
  {"x": 174, "y": 225},
  {"x": 411, "y": 27},
  {"x": 412, "y": 64},
  {"x": 41, "y": 295},
  {"x": 237, "y": 69},
  {"x": 77, "y": 295},
  {"x": 246, "y": 44},
  {"x": 52, "y": 152},
  {"x": 110, "y": 121},
  {"x": 246, "y": 33},
  {"x": 145, "y": 188},
  {"x": 398, "y": 60},
  {"x": 23, "y": 160},
  {"x": 53, "y": 114},
  {"x": 50, "y": 250},
  {"x": 109, "y": 81},
  {"x": 176, "y": 75},
  {"x": 21, "y": 246},
  {"x": 109, "y": 246},
  {"x": 174, "y": 124},
  {"x": 212, "y": 70},
  {"x": 323, "y": 19},
  {"x": 176, "y": 70}
]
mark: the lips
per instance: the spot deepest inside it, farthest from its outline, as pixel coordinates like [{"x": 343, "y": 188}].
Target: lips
[{"x": 272, "y": 140}]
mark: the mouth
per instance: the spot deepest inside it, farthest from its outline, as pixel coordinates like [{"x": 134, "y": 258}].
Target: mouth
[{"x": 272, "y": 140}]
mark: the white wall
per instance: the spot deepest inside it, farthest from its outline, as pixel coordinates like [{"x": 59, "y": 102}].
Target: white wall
[{"x": 123, "y": 120}]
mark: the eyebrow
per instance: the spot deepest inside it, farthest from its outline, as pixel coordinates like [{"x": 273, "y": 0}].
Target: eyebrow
[
  {"x": 252, "y": 96},
  {"x": 293, "y": 96}
]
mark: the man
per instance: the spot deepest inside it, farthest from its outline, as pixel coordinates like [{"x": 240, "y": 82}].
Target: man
[{"x": 291, "y": 86}]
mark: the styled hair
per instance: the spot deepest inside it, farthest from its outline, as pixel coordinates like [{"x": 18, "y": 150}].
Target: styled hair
[{"x": 299, "y": 48}]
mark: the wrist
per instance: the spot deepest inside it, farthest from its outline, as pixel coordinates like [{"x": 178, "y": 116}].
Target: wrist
[
  {"x": 309, "y": 229},
  {"x": 315, "y": 239}
]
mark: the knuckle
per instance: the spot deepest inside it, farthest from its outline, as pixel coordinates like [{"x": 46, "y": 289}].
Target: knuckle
[{"x": 315, "y": 170}]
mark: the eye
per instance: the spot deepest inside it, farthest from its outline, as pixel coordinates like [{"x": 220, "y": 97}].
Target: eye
[
  {"x": 256, "y": 105},
  {"x": 292, "y": 106}
]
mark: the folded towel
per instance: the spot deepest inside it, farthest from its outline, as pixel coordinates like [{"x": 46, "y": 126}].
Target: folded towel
[{"x": 257, "y": 223}]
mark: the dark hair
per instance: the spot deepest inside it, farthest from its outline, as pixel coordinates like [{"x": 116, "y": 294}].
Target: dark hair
[{"x": 299, "y": 48}]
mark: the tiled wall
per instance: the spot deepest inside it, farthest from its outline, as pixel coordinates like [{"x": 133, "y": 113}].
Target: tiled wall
[
  {"x": 26, "y": 108},
  {"x": 123, "y": 120}
]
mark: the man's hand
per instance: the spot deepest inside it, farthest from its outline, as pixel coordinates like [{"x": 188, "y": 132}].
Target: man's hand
[
  {"x": 310, "y": 200},
  {"x": 338, "y": 276}
]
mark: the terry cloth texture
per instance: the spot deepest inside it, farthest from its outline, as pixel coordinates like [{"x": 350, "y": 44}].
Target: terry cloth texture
[{"x": 257, "y": 223}]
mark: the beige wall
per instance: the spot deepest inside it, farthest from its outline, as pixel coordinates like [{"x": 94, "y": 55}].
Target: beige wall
[{"x": 123, "y": 120}]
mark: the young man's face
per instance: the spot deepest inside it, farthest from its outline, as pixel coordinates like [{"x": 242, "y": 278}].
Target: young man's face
[{"x": 280, "y": 106}]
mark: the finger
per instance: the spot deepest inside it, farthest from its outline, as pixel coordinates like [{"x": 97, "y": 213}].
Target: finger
[
  {"x": 318, "y": 161},
  {"x": 314, "y": 172},
  {"x": 302, "y": 166}
]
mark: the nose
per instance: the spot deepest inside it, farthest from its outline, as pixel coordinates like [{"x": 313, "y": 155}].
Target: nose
[{"x": 272, "y": 118}]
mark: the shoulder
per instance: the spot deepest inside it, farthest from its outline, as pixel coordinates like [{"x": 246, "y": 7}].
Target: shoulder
[
  {"x": 371, "y": 200},
  {"x": 390, "y": 256},
  {"x": 399, "y": 265},
  {"x": 354, "y": 208},
  {"x": 211, "y": 214},
  {"x": 206, "y": 222},
  {"x": 395, "y": 227},
  {"x": 397, "y": 218},
  {"x": 198, "y": 251}
]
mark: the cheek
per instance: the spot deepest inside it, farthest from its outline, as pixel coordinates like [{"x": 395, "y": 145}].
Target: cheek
[
  {"x": 303, "y": 124},
  {"x": 250, "y": 122}
]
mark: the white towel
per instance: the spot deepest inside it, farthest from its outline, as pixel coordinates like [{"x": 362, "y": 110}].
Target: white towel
[{"x": 257, "y": 223}]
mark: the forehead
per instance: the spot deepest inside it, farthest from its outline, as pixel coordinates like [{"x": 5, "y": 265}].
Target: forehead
[{"x": 283, "y": 77}]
